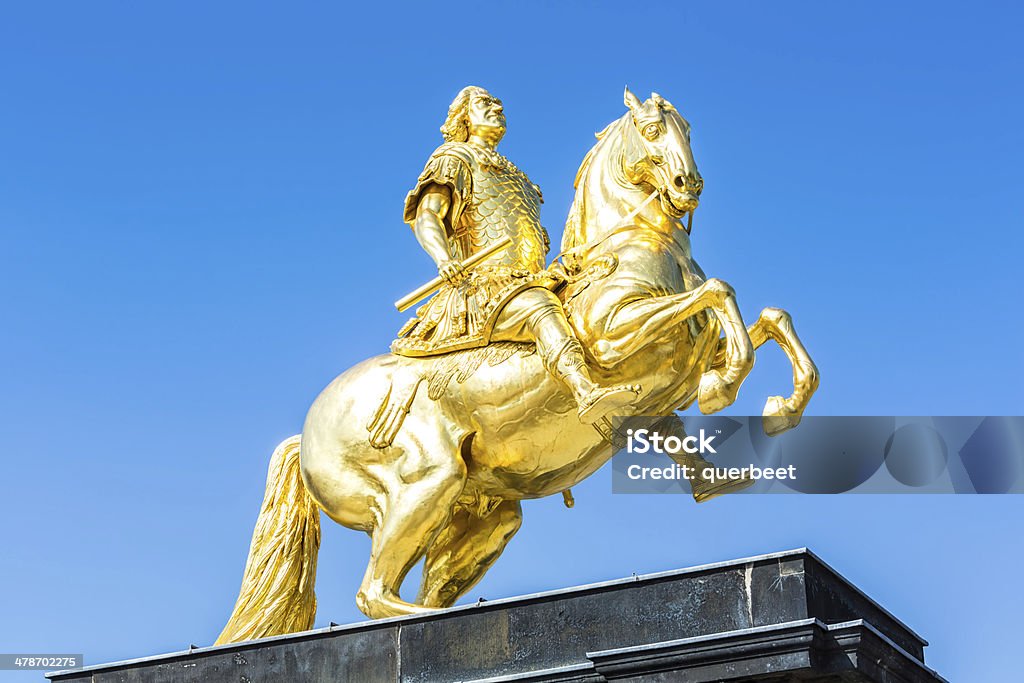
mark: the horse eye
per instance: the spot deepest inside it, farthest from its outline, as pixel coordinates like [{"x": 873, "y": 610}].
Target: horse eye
[{"x": 651, "y": 131}]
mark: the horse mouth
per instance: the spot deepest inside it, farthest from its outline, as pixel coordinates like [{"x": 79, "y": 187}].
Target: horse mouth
[{"x": 679, "y": 206}]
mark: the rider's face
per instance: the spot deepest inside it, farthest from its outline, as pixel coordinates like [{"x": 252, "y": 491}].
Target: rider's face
[{"x": 486, "y": 116}]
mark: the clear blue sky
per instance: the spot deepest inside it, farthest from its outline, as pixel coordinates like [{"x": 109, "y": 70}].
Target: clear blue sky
[{"x": 200, "y": 224}]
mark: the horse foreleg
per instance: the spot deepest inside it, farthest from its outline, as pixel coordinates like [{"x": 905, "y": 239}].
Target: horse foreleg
[
  {"x": 637, "y": 323},
  {"x": 781, "y": 413},
  {"x": 464, "y": 550},
  {"x": 703, "y": 487}
]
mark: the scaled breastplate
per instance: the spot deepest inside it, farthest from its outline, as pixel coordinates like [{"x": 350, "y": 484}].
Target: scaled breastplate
[{"x": 503, "y": 202}]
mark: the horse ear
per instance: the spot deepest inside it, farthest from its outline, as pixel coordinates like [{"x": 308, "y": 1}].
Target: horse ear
[
  {"x": 631, "y": 101},
  {"x": 661, "y": 101}
]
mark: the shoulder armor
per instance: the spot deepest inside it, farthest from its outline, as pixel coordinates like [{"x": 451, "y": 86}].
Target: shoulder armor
[
  {"x": 459, "y": 150},
  {"x": 449, "y": 165}
]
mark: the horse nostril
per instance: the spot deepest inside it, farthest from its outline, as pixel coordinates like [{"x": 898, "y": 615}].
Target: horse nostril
[{"x": 679, "y": 182}]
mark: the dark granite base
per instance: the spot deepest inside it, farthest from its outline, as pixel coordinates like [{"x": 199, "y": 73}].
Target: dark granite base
[{"x": 781, "y": 617}]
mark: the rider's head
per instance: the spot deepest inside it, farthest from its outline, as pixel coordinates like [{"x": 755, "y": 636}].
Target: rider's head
[{"x": 474, "y": 111}]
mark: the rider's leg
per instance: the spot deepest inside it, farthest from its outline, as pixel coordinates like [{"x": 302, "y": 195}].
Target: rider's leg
[
  {"x": 536, "y": 315},
  {"x": 464, "y": 550}
]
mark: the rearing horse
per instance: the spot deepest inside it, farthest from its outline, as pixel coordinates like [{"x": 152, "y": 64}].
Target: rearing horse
[{"x": 439, "y": 474}]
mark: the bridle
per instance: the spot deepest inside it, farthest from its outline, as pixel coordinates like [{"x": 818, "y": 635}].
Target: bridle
[{"x": 623, "y": 226}]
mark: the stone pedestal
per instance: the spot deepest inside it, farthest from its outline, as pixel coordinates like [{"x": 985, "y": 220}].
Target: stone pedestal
[{"x": 781, "y": 617}]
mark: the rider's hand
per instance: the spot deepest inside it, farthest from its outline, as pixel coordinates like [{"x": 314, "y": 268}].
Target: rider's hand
[{"x": 452, "y": 271}]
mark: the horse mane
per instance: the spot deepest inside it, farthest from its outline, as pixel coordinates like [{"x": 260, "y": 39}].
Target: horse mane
[{"x": 572, "y": 236}]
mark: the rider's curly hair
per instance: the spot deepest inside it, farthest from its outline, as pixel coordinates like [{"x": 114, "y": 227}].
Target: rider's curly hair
[{"x": 456, "y": 126}]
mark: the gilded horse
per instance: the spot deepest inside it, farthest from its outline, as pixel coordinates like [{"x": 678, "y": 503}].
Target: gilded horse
[{"x": 437, "y": 472}]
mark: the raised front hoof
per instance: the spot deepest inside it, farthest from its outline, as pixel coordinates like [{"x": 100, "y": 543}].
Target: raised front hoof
[
  {"x": 714, "y": 393},
  {"x": 703, "y": 492},
  {"x": 605, "y": 401},
  {"x": 778, "y": 417}
]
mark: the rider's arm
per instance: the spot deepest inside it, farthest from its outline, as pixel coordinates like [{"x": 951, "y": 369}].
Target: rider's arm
[{"x": 430, "y": 231}]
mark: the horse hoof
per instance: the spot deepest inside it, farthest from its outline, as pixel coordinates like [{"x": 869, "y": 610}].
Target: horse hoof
[
  {"x": 714, "y": 394},
  {"x": 777, "y": 417},
  {"x": 703, "y": 492}
]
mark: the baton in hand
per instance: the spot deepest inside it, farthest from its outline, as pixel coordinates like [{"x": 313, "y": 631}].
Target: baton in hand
[{"x": 429, "y": 288}]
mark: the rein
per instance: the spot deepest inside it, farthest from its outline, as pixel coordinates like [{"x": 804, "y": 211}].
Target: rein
[{"x": 621, "y": 227}]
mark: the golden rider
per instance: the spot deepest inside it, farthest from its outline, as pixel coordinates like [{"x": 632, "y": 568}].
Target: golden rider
[{"x": 468, "y": 197}]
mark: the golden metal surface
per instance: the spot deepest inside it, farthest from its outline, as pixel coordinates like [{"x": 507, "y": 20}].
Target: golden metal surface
[{"x": 521, "y": 365}]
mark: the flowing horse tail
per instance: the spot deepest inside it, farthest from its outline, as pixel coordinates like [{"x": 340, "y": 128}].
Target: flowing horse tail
[{"x": 277, "y": 594}]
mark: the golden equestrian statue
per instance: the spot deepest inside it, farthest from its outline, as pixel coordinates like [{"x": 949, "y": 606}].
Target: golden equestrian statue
[{"x": 500, "y": 388}]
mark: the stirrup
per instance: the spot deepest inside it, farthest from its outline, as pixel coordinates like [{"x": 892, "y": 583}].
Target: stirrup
[{"x": 603, "y": 401}]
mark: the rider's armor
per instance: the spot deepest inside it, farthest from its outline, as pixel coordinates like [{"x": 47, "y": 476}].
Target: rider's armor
[{"x": 490, "y": 199}]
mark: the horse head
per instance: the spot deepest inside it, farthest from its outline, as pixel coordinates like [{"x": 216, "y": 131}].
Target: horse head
[
  {"x": 656, "y": 153},
  {"x": 643, "y": 155}
]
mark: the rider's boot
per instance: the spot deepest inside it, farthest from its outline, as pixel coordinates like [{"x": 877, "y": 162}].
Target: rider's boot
[{"x": 594, "y": 402}]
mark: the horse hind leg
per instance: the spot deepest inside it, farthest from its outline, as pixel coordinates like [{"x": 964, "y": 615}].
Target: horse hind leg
[
  {"x": 465, "y": 549},
  {"x": 420, "y": 493}
]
